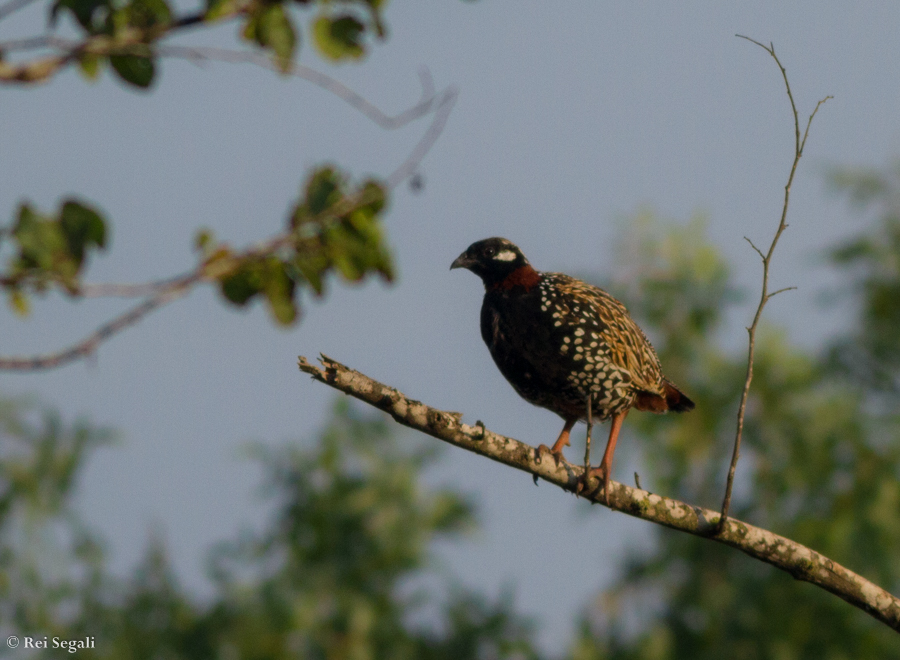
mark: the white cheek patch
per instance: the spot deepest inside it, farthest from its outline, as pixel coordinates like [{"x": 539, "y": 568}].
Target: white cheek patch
[{"x": 505, "y": 255}]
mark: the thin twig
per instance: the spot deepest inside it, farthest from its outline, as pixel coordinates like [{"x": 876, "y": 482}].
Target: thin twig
[
  {"x": 408, "y": 167},
  {"x": 765, "y": 296},
  {"x": 753, "y": 245},
  {"x": 799, "y": 561},
  {"x": 587, "y": 440},
  {"x": 89, "y": 344},
  {"x": 782, "y": 290},
  {"x": 114, "y": 290},
  {"x": 428, "y": 101}
]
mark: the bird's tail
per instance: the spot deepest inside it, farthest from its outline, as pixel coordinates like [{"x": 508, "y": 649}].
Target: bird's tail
[{"x": 676, "y": 400}]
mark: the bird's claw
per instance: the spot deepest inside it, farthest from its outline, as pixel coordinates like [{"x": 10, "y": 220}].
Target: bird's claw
[
  {"x": 584, "y": 483},
  {"x": 543, "y": 450}
]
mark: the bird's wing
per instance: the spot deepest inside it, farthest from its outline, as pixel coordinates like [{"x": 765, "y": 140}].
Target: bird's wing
[{"x": 627, "y": 345}]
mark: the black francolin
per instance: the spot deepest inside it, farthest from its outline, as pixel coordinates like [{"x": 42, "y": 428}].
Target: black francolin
[{"x": 559, "y": 341}]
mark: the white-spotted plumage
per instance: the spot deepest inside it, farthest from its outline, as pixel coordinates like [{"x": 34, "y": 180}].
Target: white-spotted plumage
[{"x": 561, "y": 343}]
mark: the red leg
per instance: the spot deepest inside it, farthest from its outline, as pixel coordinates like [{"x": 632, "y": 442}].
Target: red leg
[
  {"x": 605, "y": 469},
  {"x": 561, "y": 441}
]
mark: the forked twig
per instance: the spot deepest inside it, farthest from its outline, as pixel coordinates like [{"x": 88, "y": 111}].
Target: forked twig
[{"x": 799, "y": 143}]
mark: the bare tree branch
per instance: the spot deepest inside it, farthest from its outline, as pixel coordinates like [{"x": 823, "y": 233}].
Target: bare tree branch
[
  {"x": 798, "y": 560},
  {"x": 89, "y": 344},
  {"x": 427, "y": 103},
  {"x": 69, "y": 49},
  {"x": 766, "y": 261},
  {"x": 111, "y": 290}
]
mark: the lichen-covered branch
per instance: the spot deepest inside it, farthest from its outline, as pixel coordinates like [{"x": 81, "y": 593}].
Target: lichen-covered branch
[{"x": 801, "y": 562}]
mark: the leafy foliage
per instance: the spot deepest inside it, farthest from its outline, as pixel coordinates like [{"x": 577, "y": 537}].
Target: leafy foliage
[
  {"x": 332, "y": 227},
  {"x": 124, "y": 32},
  {"x": 339, "y": 38},
  {"x": 133, "y": 69},
  {"x": 51, "y": 249},
  {"x": 270, "y": 27}
]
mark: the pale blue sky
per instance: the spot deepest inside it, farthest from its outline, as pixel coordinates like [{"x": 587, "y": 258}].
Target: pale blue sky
[{"x": 567, "y": 121}]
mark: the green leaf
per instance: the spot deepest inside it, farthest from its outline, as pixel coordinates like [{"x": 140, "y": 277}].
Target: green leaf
[
  {"x": 204, "y": 240},
  {"x": 145, "y": 14},
  {"x": 270, "y": 26},
  {"x": 218, "y": 9},
  {"x": 44, "y": 254},
  {"x": 275, "y": 31},
  {"x": 323, "y": 189},
  {"x": 89, "y": 65},
  {"x": 374, "y": 196},
  {"x": 83, "y": 227},
  {"x": 311, "y": 267},
  {"x": 240, "y": 287},
  {"x": 321, "y": 192},
  {"x": 134, "y": 69},
  {"x": 339, "y": 38},
  {"x": 40, "y": 240},
  {"x": 279, "y": 291},
  {"x": 90, "y": 14},
  {"x": 19, "y": 302}
]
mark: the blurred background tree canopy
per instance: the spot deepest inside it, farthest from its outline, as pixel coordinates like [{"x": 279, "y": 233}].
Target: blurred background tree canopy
[{"x": 342, "y": 567}]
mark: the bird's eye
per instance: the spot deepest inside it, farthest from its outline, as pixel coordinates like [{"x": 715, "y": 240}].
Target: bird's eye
[{"x": 490, "y": 251}]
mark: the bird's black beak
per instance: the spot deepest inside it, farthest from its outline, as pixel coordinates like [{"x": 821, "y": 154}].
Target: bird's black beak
[{"x": 462, "y": 261}]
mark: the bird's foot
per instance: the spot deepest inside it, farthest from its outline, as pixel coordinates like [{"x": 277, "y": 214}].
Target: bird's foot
[
  {"x": 584, "y": 484},
  {"x": 543, "y": 450}
]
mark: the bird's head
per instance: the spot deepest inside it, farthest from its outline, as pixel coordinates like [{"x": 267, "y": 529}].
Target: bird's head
[{"x": 492, "y": 259}]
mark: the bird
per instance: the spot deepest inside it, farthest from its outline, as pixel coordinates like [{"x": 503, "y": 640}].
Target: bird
[{"x": 562, "y": 343}]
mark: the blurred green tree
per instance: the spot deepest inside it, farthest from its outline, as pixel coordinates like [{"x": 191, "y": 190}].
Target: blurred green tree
[
  {"x": 870, "y": 353},
  {"x": 49, "y": 559},
  {"x": 332, "y": 574},
  {"x": 817, "y": 467}
]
